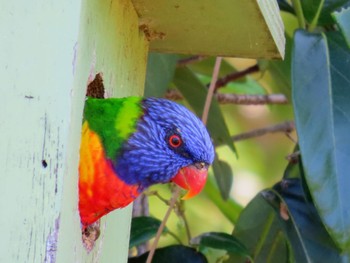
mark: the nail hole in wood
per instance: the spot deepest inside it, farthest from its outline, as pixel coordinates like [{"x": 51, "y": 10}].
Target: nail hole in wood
[{"x": 44, "y": 163}]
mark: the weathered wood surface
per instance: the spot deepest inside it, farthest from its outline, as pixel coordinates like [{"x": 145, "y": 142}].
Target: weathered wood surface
[
  {"x": 48, "y": 51},
  {"x": 109, "y": 42},
  {"x": 235, "y": 28},
  {"x": 37, "y": 48}
]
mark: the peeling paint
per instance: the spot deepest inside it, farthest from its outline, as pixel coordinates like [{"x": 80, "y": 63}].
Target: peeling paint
[
  {"x": 51, "y": 243},
  {"x": 74, "y": 60}
]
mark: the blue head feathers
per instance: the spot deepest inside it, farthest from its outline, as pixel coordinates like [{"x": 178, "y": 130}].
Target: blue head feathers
[{"x": 168, "y": 138}]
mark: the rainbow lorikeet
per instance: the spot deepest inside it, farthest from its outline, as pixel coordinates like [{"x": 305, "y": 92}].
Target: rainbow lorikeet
[{"x": 131, "y": 143}]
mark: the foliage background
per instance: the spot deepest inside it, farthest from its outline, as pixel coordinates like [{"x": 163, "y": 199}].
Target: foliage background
[
  {"x": 261, "y": 160},
  {"x": 287, "y": 221}
]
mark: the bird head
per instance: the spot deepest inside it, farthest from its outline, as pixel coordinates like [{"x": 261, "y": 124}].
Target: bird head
[{"x": 170, "y": 144}]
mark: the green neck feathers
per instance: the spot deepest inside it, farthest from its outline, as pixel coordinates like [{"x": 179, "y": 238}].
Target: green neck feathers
[{"x": 114, "y": 120}]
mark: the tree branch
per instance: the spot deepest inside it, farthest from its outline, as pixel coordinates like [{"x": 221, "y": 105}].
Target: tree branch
[
  {"x": 286, "y": 127},
  {"x": 141, "y": 208},
  {"x": 228, "y": 98},
  {"x": 185, "y": 61},
  {"x": 225, "y": 98},
  {"x": 211, "y": 90},
  {"x": 162, "y": 225},
  {"x": 293, "y": 157},
  {"x": 180, "y": 211},
  {"x": 221, "y": 82}
]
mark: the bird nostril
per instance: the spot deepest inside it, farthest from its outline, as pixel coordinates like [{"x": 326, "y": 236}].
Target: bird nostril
[{"x": 201, "y": 165}]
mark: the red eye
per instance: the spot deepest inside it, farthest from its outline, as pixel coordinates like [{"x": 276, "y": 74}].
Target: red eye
[{"x": 175, "y": 141}]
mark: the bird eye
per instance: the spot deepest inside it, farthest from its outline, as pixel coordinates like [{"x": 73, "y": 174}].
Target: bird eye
[{"x": 175, "y": 141}]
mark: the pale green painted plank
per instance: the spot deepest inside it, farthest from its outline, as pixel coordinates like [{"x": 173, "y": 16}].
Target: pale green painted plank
[
  {"x": 46, "y": 59},
  {"x": 37, "y": 46},
  {"x": 239, "y": 28},
  {"x": 109, "y": 42}
]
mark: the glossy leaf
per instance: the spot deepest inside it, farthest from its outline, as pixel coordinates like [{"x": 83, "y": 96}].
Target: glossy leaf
[
  {"x": 310, "y": 9},
  {"x": 282, "y": 217},
  {"x": 295, "y": 171},
  {"x": 302, "y": 224},
  {"x": 195, "y": 93},
  {"x": 259, "y": 229},
  {"x": 321, "y": 103},
  {"x": 343, "y": 21},
  {"x": 301, "y": 221},
  {"x": 308, "y": 237},
  {"x": 285, "y": 6},
  {"x": 224, "y": 177},
  {"x": 143, "y": 228},
  {"x": 221, "y": 241},
  {"x": 288, "y": 226},
  {"x": 172, "y": 254},
  {"x": 160, "y": 72}
]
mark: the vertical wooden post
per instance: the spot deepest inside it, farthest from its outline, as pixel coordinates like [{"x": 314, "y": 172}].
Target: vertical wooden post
[
  {"x": 109, "y": 42},
  {"x": 48, "y": 51}
]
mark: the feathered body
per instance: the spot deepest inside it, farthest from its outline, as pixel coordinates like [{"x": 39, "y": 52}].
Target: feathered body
[{"x": 131, "y": 143}]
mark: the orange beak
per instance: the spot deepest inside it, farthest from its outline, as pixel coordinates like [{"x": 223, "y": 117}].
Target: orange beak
[{"x": 192, "y": 178}]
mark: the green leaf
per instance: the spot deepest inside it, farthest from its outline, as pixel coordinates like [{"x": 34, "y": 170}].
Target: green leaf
[
  {"x": 259, "y": 229},
  {"x": 221, "y": 241},
  {"x": 310, "y": 9},
  {"x": 285, "y": 6},
  {"x": 160, "y": 72},
  {"x": 295, "y": 171},
  {"x": 308, "y": 237},
  {"x": 280, "y": 225},
  {"x": 143, "y": 228},
  {"x": 172, "y": 254},
  {"x": 195, "y": 93},
  {"x": 288, "y": 225},
  {"x": 281, "y": 71},
  {"x": 343, "y": 21},
  {"x": 283, "y": 225},
  {"x": 304, "y": 227},
  {"x": 321, "y": 103},
  {"x": 292, "y": 171},
  {"x": 224, "y": 177},
  {"x": 229, "y": 208}
]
